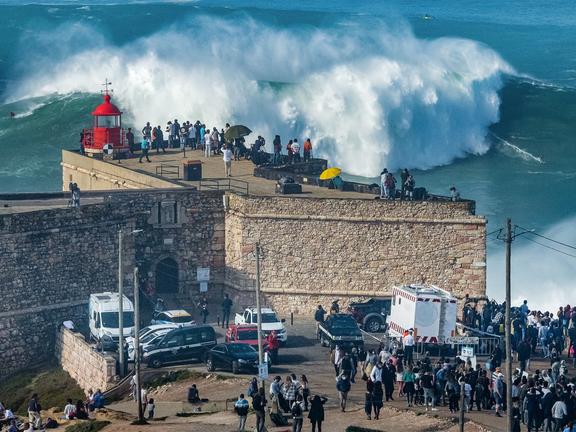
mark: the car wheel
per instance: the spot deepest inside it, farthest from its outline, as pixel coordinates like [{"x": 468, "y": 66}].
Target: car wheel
[
  {"x": 235, "y": 367},
  {"x": 155, "y": 363},
  {"x": 373, "y": 325},
  {"x": 210, "y": 366}
]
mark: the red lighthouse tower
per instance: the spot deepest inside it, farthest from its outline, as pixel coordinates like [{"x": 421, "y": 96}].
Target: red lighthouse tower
[{"x": 106, "y": 137}]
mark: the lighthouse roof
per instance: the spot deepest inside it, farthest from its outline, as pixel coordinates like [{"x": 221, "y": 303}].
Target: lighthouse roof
[{"x": 106, "y": 108}]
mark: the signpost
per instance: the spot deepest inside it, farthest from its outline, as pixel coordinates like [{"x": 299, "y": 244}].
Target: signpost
[{"x": 263, "y": 371}]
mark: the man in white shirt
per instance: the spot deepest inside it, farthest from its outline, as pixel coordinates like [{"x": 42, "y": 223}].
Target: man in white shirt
[
  {"x": 408, "y": 342},
  {"x": 376, "y": 374},
  {"x": 227, "y": 157}
]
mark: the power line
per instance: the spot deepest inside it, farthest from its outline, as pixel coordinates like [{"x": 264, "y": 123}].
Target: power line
[
  {"x": 548, "y": 238},
  {"x": 549, "y": 247}
]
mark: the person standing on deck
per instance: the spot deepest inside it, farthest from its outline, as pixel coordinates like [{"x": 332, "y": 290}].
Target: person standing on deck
[
  {"x": 207, "y": 144},
  {"x": 227, "y": 157},
  {"x": 383, "y": 190}
]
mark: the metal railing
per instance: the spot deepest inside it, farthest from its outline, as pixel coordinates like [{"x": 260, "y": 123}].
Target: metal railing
[
  {"x": 225, "y": 184},
  {"x": 168, "y": 170}
]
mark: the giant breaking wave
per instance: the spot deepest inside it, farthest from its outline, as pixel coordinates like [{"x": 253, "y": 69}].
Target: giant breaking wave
[{"x": 368, "y": 97}]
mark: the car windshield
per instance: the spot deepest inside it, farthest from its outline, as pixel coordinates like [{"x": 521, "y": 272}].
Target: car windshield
[
  {"x": 110, "y": 319},
  {"x": 241, "y": 348},
  {"x": 181, "y": 319},
  {"x": 150, "y": 337},
  {"x": 248, "y": 335},
  {"x": 266, "y": 318},
  {"x": 344, "y": 323}
]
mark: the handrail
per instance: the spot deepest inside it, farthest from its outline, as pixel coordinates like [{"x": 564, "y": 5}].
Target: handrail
[
  {"x": 472, "y": 329},
  {"x": 226, "y": 184},
  {"x": 168, "y": 170}
]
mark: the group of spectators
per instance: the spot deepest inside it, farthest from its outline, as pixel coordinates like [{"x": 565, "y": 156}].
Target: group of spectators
[
  {"x": 213, "y": 142},
  {"x": 388, "y": 185},
  {"x": 290, "y": 396}
]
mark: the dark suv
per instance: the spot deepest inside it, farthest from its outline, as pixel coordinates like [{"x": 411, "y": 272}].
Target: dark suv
[{"x": 371, "y": 314}]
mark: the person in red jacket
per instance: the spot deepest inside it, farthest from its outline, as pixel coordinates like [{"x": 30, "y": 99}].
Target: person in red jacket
[{"x": 273, "y": 345}]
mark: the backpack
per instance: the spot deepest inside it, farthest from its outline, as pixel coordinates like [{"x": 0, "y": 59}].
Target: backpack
[
  {"x": 51, "y": 423},
  {"x": 296, "y": 410}
]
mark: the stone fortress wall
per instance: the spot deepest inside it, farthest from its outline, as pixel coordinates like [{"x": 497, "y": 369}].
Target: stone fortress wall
[
  {"x": 317, "y": 250},
  {"x": 52, "y": 260}
]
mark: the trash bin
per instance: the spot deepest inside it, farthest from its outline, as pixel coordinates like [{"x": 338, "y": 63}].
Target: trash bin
[{"x": 192, "y": 170}]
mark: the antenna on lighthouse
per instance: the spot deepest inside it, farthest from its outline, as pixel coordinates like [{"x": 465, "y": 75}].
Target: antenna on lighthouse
[{"x": 106, "y": 89}]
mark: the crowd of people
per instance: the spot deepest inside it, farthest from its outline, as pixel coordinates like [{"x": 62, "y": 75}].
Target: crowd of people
[{"x": 213, "y": 141}]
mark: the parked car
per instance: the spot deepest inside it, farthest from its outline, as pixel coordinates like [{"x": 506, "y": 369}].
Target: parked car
[
  {"x": 150, "y": 339},
  {"x": 177, "y": 316},
  {"x": 340, "y": 329},
  {"x": 103, "y": 314},
  {"x": 243, "y": 333},
  {"x": 181, "y": 345},
  {"x": 371, "y": 315},
  {"x": 151, "y": 329},
  {"x": 270, "y": 321},
  {"x": 234, "y": 357}
]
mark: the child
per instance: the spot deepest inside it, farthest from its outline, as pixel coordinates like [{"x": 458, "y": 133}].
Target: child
[{"x": 150, "y": 407}]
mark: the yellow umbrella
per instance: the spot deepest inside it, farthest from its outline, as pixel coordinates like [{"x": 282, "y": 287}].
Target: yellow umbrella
[{"x": 330, "y": 173}]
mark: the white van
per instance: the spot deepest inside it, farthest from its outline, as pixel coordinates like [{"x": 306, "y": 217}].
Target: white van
[{"x": 103, "y": 312}]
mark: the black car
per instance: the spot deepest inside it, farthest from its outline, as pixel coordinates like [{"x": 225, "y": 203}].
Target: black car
[
  {"x": 181, "y": 345},
  {"x": 342, "y": 330},
  {"x": 371, "y": 314},
  {"x": 233, "y": 357}
]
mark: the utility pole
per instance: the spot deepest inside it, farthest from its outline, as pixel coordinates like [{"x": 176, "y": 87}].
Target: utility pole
[
  {"x": 259, "y": 312},
  {"x": 508, "y": 241},
  {"x": 462, "y": 399},
  {"x": 137, "y": 347},
  {"x": 120, "y": 306}
]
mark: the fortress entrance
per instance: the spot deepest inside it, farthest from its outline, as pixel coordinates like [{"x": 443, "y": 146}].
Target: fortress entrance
[{"x": 167, "y": 276}]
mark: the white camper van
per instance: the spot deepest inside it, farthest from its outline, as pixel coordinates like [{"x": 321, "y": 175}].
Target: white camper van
[
  {"x": 104, "y": 325},
  {"x": 426, "y": 309}
]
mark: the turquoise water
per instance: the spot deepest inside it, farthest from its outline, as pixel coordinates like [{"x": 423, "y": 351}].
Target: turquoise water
[{"x": 481, "y": 96}]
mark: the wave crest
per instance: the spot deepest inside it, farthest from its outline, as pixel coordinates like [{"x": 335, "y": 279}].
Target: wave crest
[{"x": 368, "y": 97}]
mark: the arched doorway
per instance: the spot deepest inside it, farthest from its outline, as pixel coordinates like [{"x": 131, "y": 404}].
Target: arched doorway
[{"x": 167, "y": 276}]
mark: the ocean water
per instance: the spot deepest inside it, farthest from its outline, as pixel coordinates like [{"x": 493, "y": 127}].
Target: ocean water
[{"x": 481, "y": 96}]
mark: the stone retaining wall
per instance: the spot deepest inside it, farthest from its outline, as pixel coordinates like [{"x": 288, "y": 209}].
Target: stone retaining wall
[{"x": 89, "y": 368}]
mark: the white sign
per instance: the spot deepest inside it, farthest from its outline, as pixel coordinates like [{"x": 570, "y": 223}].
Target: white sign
[
  {"x": 467, "y": 351},
  {"x": 263, "y": 371},
  {"x": 203, "y": 274},
  {"x": 462, "y": 340},
  {"x": 203, "y": 286}
]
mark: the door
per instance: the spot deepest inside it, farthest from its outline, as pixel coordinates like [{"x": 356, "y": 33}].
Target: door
[
  {"x": 173, "y": 349},
  {"x": 218, "y": 354},
  {"x": 167, "y": 277}
]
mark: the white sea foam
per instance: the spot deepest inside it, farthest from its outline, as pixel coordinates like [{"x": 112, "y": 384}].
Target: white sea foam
[
  {"x": 542, "y": 276},
  {"x": 513, "y": 149},
  {"x": 368, "y": 97}
]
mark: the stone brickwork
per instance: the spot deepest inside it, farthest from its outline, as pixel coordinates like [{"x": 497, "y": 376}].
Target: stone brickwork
[
  {"x": 89, "y": 368},
  {"x": 53, "y": 260},
  {"x": 317, "y": 250}
]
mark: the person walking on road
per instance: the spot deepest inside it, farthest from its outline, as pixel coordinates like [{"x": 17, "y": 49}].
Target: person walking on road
[
  {"x": 259, "y": 405},
  {"x": 377, "y": 399},
  {"x": 336, "y": 356},
  {"x": 343, "y": 386},
  {"x": 241, "y": 408},
  {"x": 297, "y": 411},
  {"x": 316, "y": 414}
]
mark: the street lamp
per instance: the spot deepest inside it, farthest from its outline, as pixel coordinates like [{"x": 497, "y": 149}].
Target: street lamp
[{"x": 121, "y": 358}]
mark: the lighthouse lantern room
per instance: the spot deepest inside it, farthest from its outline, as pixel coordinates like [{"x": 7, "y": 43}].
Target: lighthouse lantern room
[{"x": 106, "y": 137}]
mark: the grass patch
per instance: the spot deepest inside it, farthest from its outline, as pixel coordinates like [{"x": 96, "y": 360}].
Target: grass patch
[
  {"x": 52, "y": 384},
  {"x": 89, "y": 426}
]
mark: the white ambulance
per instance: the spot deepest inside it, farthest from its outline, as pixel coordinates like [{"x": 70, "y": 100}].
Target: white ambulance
[{"x": 426, "y": 309}]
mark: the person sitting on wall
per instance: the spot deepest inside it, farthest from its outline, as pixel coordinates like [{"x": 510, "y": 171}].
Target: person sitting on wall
[{"x": 193, "y": 394}]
